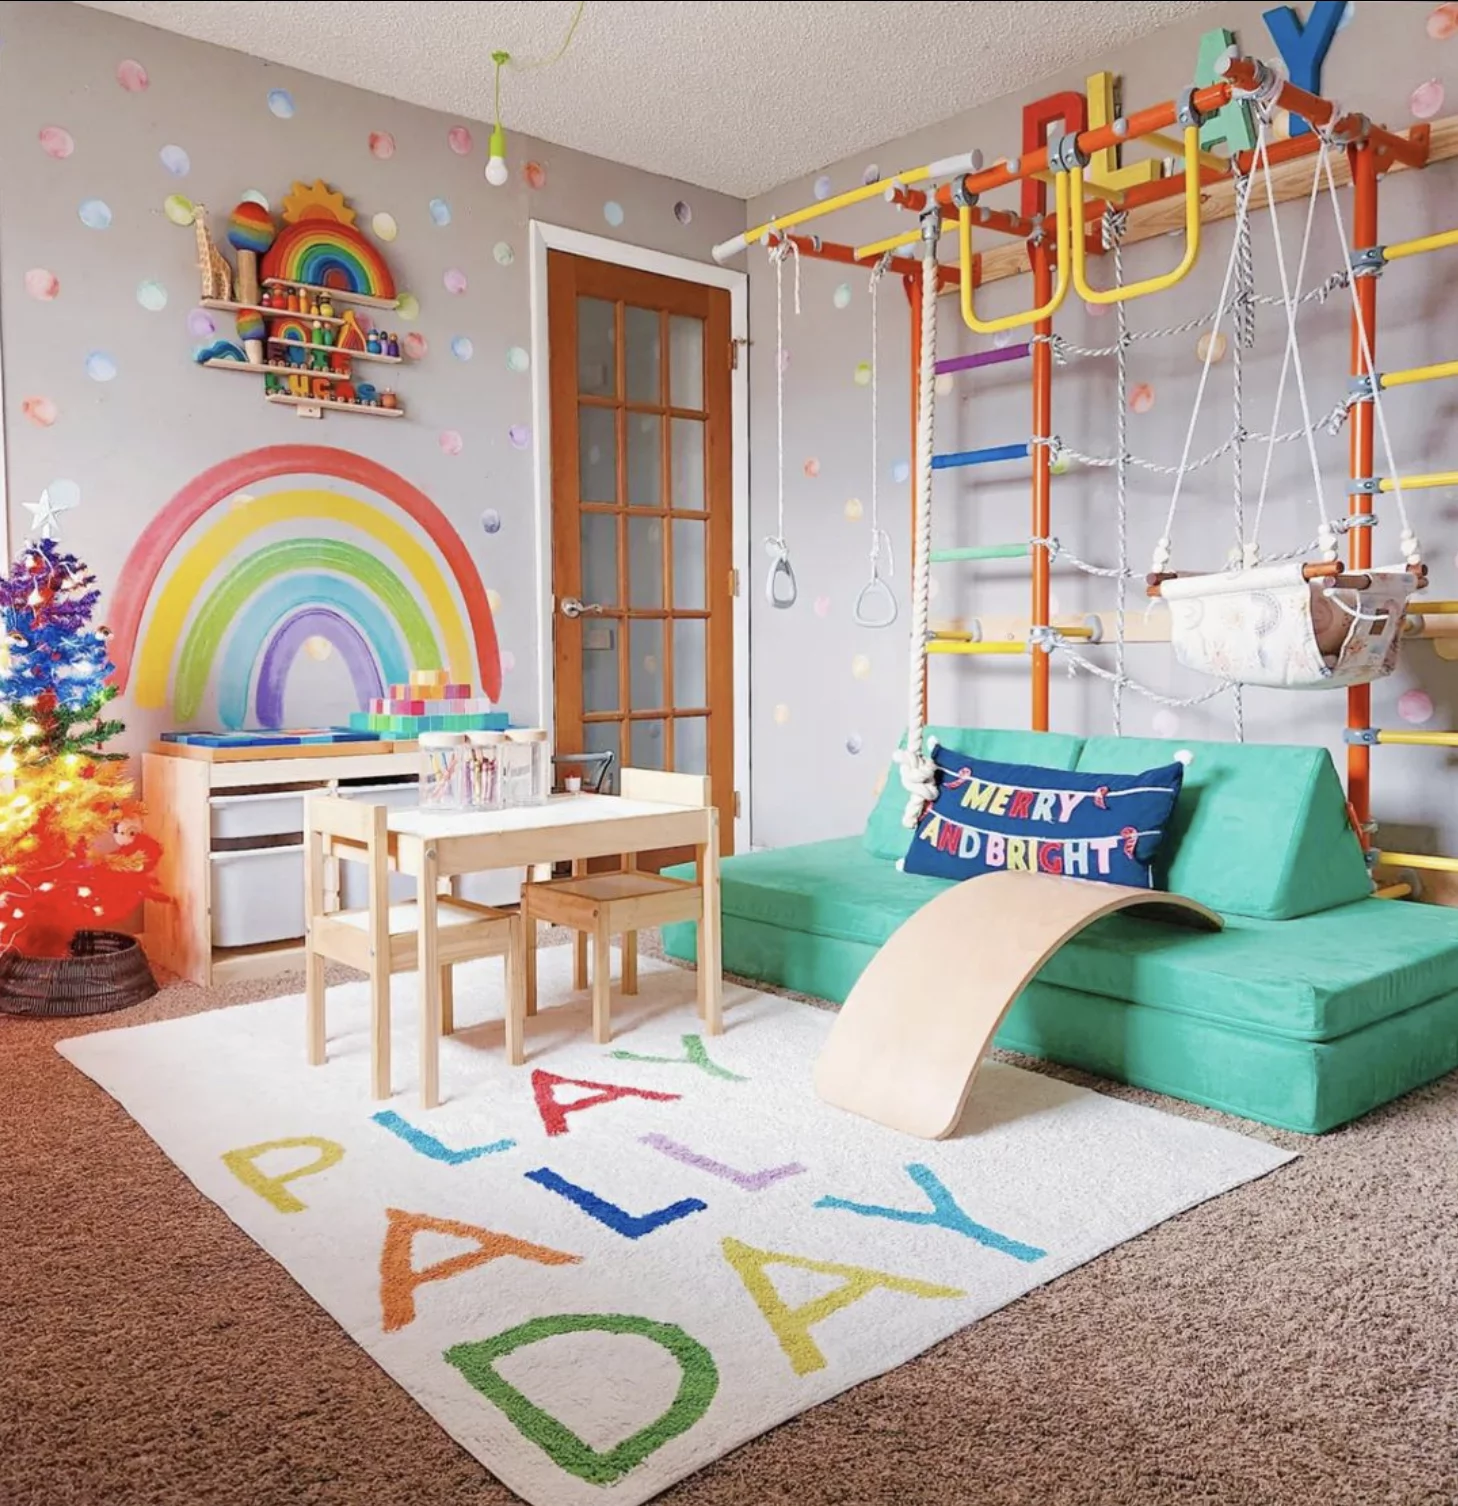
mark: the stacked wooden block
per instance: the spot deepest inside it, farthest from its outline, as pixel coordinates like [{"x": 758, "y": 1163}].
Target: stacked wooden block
[{"x": 431, "y": 702}]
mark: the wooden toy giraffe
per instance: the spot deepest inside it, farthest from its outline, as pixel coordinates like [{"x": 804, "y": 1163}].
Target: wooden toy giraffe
[{"x": 217, "y": 275}]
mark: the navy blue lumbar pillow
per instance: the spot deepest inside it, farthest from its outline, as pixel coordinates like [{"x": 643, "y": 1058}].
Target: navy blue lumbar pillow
[{"x": 993, "y": 816}]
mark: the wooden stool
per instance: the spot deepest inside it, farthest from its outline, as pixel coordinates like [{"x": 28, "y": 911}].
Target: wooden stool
[
  {"x": 603, "y": 905},
  {"x": 382, "y": 938}
]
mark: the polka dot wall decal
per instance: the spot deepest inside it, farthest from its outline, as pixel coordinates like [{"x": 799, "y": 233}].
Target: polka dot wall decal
[
  {"x": 408, "y": 306},
  {"x": 612, "y": 212},
  {"x": 1061, "y": 463},
  {"x": 95, "y": 214},
  {"x": 451, "y": 442},
  {"x": 822, "y": 606},
  {"x": 252, "y": 196},
  {"x": 900, "y": 471},
  {"x": 493, "y": 599},
  {"x": 842, "y": 296},
  {"x": 871, "y": 175},
  {"x": 519, "y": 436},
  {"x": 945, "y": 384},
  {"x": 1427, "y": 99},
  {"x": 853, "y": 744},
  {"x": 382, "y": 145},
  {"x": 1141, "y": 397},
  {"x": 490, "y": 521},
  {"x": 508, "y": 661},
  {"x": 534, "y": 175},
  {"x": 1095, "y": 310},
  {"x": 132, "y": 76},
  {"x": 56, "y": 141},
  {"x": 458, "y": 138},
  {"x": 683, "y": 213},
  {"x": 281, "y": 103},
  {"x": 861, "y": 667},
  {"x": 1349, "y": 14},
  {"x": 822, "y": 186},
  {"x": 462, "y": 348},
  {"x": 1002, "y": 340},
  {"x": 384, "y": 226},
  {"x": 415, "y": 346},
  {"x": 863, "y": 374},
  {"x": 1213, "y": 347},
  {"x": 65, "y": 494},
  {"x": 200, "y": 324},
  {"x": 782, "y": 714},
  {"x": 41, "y": 411},
  {"x": 318, "y": 649},
  {"x": 179, "y": 209},
  {"x": 517, "y": 359},
  {"x": 1165, "y": 723},
  {"x": 152, "y": 296},
  {"x": 503, "y": 253},
  {"x": 440, "y": 212},
  {"x": 1415, "y": 706},
  {"x": 853, "y": 510},
  {"x": 42, "y": 284},
  {"x": 1442, "y": 22},
  {"x": 100, "y": 366},
  {"x": 239, "y": 500},
  {"x": 454, "y": 280},
  {"x": 175, "y": 160},
  {"x": 879, "y": 785}
]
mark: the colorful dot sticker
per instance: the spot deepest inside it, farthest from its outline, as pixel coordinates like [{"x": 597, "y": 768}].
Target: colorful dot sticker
[
  {"x": 683, "y": 213},
  {"x": 612, "y": 212},
  {"x": 175, "y": 160},
  {"x": 454, "y": 280},
  {"x": 534, "y": 175},
  {"x": 384, "y": 226},
  {"x": 1002, "y": 339},
  {"x": 462, "y": 348},
  {"x": 382, "y": 145},
  {"x": 1096, "y": 310},
  {"x": 56, "y": 141},
  {"x": 1427, "y": 99},
  {"x": 415, "y": 346},
  {"x": 41, "y": 411},
  {"x": 440, "y": 212},
  {"x": 1211, "y": 347},
  {"x": 822, "y": 606},
  {"x": 152, "y": 295},
  {"x": 407, "y": 306},
  {"x": 318, "y": 648},
  {"x": 519, "y": 436},
  {"x": 1141, "y": 397},
  {"x": 853, "y": 744},
  {"x": 1442, "y": 22},
  {"x": 200, "y": 324},
  {"x": 100, "y": 366},
  {"x": 65, "y": 494},
  {"x": 1060, "y": 464},
  {"x": 451, "y": 442},
  {"x": 517, "y": 359},
  {"x": 253, "y": 196},
  {"x": 1165, "y": 723},
  {"x": 822, "y": 186},
  {"x": 458, "y": 138},
  {"x": 490, "y": 521},
  {"x": 42, "y": 284},
  {"x": 854, "y": 511},
  {"x": 782, "y": 714},
  {"x": 900, "y": 471},
  {"x": 493, "y": 599},
  {"x": 1349, "y": 14},
  {"x": 842, "y": 296},
  {"x": 944, "y": 384},
  {"x": 1415, "y": 706},
  {"x": 863, "y": 374},
  {"x": 508, "y": 661},
  {"x": 503, "y": 253},
  {"x": 281, "y": 103},
  {"x": 132, "y": 76},
  {"x": 861, "y": 667},
  {"x": 95, "y": 214},
  {"x": 179, "y": 209}
]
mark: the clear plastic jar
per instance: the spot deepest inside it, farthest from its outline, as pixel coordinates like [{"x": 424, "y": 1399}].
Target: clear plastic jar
[
  {"x": 485, "y": 756},
  {"x": 527, "y": 767},
  {"x": 443, "y": 771}
]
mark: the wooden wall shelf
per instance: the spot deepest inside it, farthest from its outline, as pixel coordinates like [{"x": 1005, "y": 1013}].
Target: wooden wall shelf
[
  {"x": 229, "y": 307},
  {"x": 333, "y": 294},
  {"x": 288, "y": 400},
  {"x": 334, "y": 350}
]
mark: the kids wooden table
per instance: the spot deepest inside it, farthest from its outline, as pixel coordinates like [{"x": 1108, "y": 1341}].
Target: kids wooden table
[{"x": 436, "y": 845}]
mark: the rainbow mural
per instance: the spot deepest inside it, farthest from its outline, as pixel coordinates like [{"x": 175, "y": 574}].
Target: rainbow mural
[
  {"x": 239, "y": 603},
  {"x": 327, "y": 254}
]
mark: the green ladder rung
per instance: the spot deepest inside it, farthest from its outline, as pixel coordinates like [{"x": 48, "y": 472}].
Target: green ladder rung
[{"x": 981, "y": 552}]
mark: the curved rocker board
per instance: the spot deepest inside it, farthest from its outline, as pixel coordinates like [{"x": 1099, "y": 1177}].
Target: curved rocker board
[{"x": 908, "y": 1041}]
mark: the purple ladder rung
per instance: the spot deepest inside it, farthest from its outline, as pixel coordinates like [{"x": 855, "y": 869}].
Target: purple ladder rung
[{"x": 983, "y": 358}]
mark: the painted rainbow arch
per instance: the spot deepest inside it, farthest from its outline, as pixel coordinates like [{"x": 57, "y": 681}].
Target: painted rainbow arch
[
  {"x": 328, "y": 254},
  {"x": 236, "y": 608}
]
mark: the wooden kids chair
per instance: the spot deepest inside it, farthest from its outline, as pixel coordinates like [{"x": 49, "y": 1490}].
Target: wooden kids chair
[
  {"x": 383, "y": 938},
  {"x": 603, "y": 905}
]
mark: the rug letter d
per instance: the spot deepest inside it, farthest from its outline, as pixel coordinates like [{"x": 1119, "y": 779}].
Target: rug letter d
[{"x": 699, "y": 1381}]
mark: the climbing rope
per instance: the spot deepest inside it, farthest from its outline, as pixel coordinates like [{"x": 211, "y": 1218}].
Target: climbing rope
[
  {"x": 875, "y": 605},
  {"x": 779, "y": 586},
  {"x": 1114, "y": 226}
]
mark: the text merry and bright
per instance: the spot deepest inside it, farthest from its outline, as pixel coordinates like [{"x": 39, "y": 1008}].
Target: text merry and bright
[{"x": 1071, "y": 856}]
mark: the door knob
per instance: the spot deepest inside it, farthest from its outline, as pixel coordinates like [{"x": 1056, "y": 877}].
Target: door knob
[{"x": 571, "y": 607}]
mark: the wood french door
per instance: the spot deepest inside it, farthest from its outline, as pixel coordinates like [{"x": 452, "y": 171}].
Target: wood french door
[{"x": 642, "y": 525}]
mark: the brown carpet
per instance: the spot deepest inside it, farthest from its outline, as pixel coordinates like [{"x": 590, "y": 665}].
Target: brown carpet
[{"x": 1290, "y": 1344}]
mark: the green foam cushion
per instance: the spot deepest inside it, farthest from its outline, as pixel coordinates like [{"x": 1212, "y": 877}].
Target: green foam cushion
[
  {"x": 886, "y": 837},
  {"x": 1259, "y": 830}
]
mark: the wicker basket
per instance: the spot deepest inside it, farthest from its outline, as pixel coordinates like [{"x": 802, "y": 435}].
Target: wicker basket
[{"x": 105, "y": 971}]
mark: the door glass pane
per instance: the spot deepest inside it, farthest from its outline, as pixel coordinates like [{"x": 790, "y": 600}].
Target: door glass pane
[
  {"x": 600, "y": 663},
  {"x": 688, "y": 463},
  {"x": 640, "y": 331},
  {"x": 688, "y": 564},
  {"x": 691, "y": 744},
  {"x": 686, "y": 362},
  {"x": 645, "y": 745},
  {"x": 597, "y": 454},
  {"x": 645, "y": 563},
  {"x": 600, "y": 559},
  {"x": 645, "y": 651},
  {"x": 597, "y": 369},
  {"x": 603, "y": 737},
  {"x": 645, "y": 460},
  {"x": 690, "y": 672}
]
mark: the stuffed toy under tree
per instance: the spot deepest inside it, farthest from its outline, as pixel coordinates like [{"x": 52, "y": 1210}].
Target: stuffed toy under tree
[{"x": 73, "y": 858}]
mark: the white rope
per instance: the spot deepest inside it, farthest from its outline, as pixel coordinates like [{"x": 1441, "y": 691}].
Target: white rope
[
  {"x": 780, "y": 587},
  {"x": 875, "y": 604},
  {"x": 1077, "y": 663},
  {"x": 1244, "y": 332},
  {"x": 1114, "y": 225}
]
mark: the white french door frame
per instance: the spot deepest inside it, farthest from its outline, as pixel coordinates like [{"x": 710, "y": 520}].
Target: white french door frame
[{"x": 545, "y": 238}]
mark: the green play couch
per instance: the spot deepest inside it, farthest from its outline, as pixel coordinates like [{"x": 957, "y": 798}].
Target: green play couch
[{"x": 1313, "y": 1006}]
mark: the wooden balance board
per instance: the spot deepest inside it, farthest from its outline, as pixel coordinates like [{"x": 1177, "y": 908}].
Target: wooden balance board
[{"x": 907, "y": 1043}]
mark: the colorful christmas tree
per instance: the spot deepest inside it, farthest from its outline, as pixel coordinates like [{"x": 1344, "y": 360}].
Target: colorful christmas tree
[{"x": 72, "y": 854}]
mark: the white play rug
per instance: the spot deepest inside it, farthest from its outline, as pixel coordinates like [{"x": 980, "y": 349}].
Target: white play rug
[{"x": 605, "y": 1269}]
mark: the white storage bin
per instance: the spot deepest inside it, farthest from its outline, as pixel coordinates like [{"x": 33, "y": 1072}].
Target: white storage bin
[
  {"x": 354, "y": 883},
  {"x": 258, "y": 895},
  {"x": 274, "y": 813},
  {"x": 500, "y": 886}
]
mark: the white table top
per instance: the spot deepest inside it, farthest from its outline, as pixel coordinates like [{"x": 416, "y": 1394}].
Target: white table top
[{"x": 559, "y": 811}]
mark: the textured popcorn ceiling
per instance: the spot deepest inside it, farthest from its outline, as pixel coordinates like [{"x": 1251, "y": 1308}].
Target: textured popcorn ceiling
[{"x": 738, "y": 97}]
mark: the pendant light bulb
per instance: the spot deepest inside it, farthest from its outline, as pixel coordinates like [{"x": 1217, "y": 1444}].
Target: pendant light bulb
[{"x": 496, "y": 170}]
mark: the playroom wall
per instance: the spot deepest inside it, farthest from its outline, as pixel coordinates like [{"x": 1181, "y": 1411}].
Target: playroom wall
[
  {"x": 831, "y": 697},
  {"x": 101, "y": 390}
]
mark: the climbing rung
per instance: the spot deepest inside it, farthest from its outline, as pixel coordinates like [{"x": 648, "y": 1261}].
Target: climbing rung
[
  {"x": 1415, "y": 374},
  {"x": 1412, "y": 483},
  {"x": 981, "y": 552},
  {"x": 959, "y": 458},
  {"x": 1420, "y": 739},
  {"x": 1415, "y": 860},
  {"x": 1399, "y": 249},
  {"x": 1172, "y": 146},
  {"x": 960, "y": 646},
  {"x": 1392, "y": 891},
  {"x": 1431, "y": 608},
  {"x": 984, "y": 358}
]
